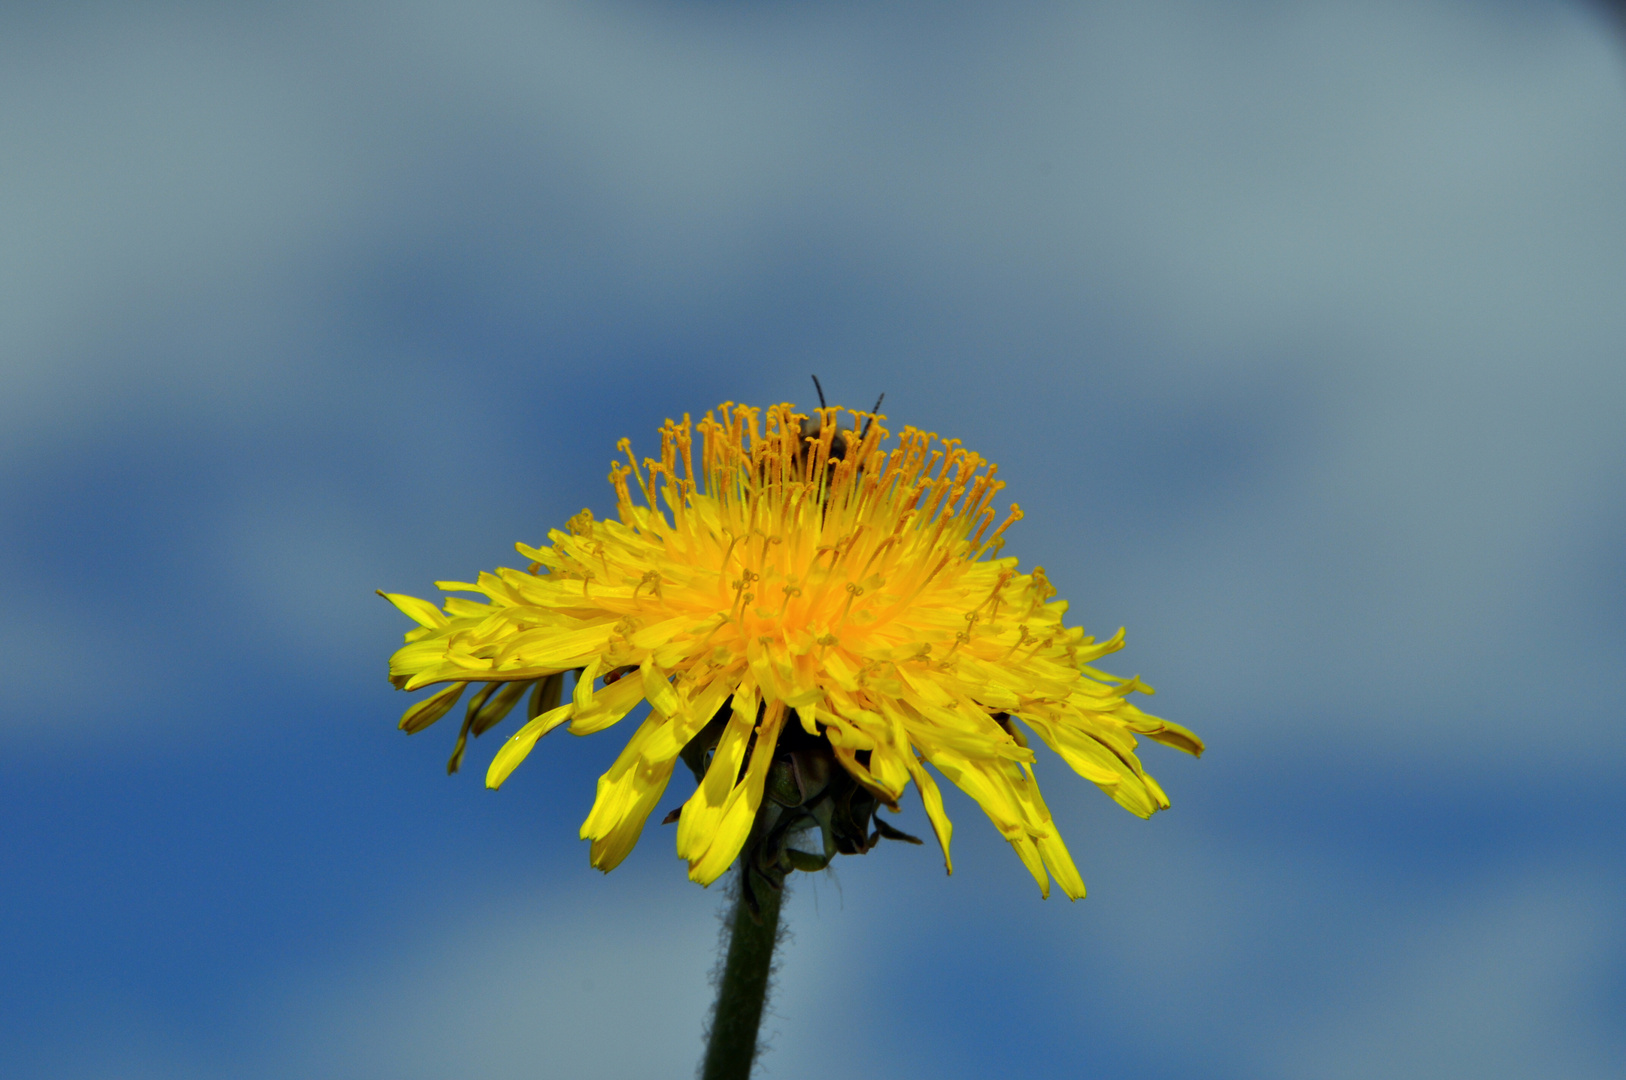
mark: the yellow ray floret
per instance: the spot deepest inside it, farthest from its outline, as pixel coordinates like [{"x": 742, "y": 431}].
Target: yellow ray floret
[{"x": 804, "y": 573}]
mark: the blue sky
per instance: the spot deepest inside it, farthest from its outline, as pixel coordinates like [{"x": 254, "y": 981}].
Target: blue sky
[{"x": 1296, "y": 330}]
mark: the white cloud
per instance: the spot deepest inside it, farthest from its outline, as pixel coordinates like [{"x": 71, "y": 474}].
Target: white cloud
[
  {"x": 1238, "y": 963},
  {"x": 607, "y": 980},
  {"x": 1399, "y": 218},
  {"x": 1499, "y": 984},
  {"x": 607, "y": 983}
]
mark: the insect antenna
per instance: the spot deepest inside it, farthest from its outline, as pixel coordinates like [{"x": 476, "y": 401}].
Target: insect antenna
[
  {"x": 820, "y": 389},
  {"x": 871, "y": 419}
]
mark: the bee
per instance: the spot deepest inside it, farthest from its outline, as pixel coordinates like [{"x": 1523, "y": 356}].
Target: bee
[{"x": 844, "y": 438}]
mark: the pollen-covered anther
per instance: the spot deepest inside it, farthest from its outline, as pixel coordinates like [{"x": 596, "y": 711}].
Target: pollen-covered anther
[{"x": 651, "y": 580}]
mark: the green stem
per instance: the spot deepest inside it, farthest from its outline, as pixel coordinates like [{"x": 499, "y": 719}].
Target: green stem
[{"x": 743, "y": 990}]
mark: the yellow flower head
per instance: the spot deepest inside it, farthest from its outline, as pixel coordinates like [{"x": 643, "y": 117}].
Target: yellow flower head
[{"x": 799, "y": 575}]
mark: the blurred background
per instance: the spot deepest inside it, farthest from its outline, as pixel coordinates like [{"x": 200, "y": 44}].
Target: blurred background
[{"x": 1299, "y": 331}]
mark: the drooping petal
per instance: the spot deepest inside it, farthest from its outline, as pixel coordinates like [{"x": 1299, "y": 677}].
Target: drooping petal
[
  {"x": 740, "y": 810},
  {"x": 932, "y": 799},
  {"x": 608, "y": 850},
  {"x": 430, "y": 709},
  {"x": 626, "y": 795},
  {"x": 703, "y": 813},
  {"x": 520, "y": 743}
]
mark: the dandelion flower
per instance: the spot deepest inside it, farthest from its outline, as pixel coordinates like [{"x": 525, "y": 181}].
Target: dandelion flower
[{"x": 806, "y": 612}]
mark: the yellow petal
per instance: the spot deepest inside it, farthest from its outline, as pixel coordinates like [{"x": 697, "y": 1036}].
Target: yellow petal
[
  {"x": 740, "y": 812},
  {"x": 430, "y": 709},
  {"x": 421, "y": 612},
  {"x": 608, "y": 850},
  {"x": 1164, "y": 731},
  {"x": 499, "y": 706},
  {"x": 519, "y": 744},
  {"x": 619, "y": 781},
  {"x": 608, "y": 706},
  {"x": 693, "y": 714},
  {"x": 547, "y": 695},
  {"x": 697, "y": 825},
  {"x": 582, "y": 692},
  {"x": 932, "y": 799},
  {"x": 658, "y": 688}
]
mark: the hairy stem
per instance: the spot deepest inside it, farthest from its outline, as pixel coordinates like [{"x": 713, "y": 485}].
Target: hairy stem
[{"x": 743, "y": 990}]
